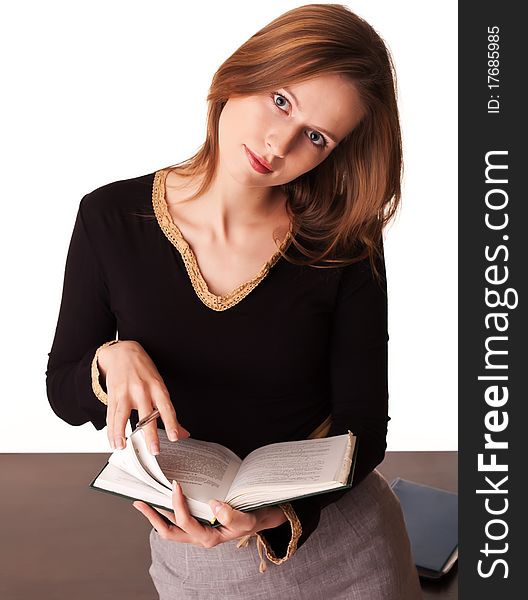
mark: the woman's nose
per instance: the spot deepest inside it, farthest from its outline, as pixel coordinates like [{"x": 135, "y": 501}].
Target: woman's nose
[{"x": 280, "y": 143}]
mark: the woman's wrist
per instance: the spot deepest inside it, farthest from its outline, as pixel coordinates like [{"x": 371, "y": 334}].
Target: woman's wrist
[
  {"x": 106, "y": 350},
  {"x": 102, "y": 357},
  {"x": 270, "y": 517}
]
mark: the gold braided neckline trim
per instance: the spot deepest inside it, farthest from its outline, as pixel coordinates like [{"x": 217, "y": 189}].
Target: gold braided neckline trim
[{"x": 199, "y": 284}]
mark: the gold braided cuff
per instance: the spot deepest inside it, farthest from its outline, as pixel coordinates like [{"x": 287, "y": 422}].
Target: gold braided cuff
[
  {"x": 296, "y": 529},
  {"x": 96, "y": 384}
]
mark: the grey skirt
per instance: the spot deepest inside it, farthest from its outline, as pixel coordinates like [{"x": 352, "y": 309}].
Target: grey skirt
[{"x": 359, "y": 551}]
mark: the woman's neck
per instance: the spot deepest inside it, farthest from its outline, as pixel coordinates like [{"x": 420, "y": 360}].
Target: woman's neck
[{"x": 227, "y": 207}]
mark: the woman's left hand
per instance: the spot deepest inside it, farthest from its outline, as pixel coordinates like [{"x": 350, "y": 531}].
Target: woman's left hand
[{"x": 188, "y": 530}]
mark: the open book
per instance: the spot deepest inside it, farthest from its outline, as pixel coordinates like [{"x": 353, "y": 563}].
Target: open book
[{"x": 268, "y": 476}]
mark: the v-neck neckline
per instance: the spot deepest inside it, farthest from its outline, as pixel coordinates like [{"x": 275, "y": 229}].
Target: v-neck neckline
[{"x": 175, "y": 236}]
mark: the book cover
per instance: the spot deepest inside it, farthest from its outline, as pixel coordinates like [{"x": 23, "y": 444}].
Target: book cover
[{"x": 431, "y": 517}]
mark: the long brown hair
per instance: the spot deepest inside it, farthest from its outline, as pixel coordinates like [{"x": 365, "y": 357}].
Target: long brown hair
[{"x": 342, "y": 205}]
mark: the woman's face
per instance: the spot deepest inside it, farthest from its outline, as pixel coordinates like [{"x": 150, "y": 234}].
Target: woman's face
[{"x": 293, "y": 128}]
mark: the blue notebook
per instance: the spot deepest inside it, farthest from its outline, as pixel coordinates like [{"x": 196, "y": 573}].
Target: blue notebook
[{"x": 431, "y": 517}]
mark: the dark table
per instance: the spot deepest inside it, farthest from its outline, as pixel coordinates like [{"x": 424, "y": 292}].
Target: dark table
[{"x": 56, "y": 543}]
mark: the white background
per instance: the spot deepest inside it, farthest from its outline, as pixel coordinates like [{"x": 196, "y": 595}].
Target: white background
[{"x": 102, "y": 91}]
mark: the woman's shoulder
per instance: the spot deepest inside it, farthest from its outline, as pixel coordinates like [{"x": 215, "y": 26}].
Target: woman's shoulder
[
  {"x": 350, "y": 269},
  {"x": 123, "y": 195}
]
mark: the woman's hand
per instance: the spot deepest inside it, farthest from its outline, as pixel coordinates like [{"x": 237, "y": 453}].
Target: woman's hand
[
  {"x": 188, "y": 530},
  {"x": 134, "y": 383}
]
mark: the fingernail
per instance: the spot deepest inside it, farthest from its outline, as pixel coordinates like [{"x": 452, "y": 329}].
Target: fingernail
[
  {"x": 154, "y": 448},
  {"x": 119, "y": 442},
  {"x": 216, "y": 506},
  {"x": 112, "y": 445},
  {"x": 172, "y": 435}
]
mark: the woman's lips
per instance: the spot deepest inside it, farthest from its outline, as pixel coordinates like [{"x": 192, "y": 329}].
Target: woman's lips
[{"x": 254, "y": 161}]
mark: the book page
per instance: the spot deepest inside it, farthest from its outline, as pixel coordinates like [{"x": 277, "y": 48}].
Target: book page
[
  {"x": 204, "y": 470},
  {"x": 291, "y": 464},
  {"x": 114, "y": 479},
  {"x": 128, "y": 460},
  {"x": 146, "y": 458}
]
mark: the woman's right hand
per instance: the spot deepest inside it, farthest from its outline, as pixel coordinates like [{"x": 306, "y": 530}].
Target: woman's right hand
[{"x": 133, "y": 382}]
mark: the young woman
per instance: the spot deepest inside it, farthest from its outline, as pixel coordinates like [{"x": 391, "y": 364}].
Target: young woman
[{"x": 247, "y": 285}]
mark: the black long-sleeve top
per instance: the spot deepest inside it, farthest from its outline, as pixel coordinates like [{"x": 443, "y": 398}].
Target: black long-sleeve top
[{"x": 301, "y": 344}]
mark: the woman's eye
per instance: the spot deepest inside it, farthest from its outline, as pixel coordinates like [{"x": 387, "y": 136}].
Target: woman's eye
[
  {"x": 316, "y": 138},
  {"x": 283, "y": 101}
]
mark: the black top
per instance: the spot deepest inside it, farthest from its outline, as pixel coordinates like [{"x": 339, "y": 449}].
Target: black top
[{"x": 302, "y": 344}]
